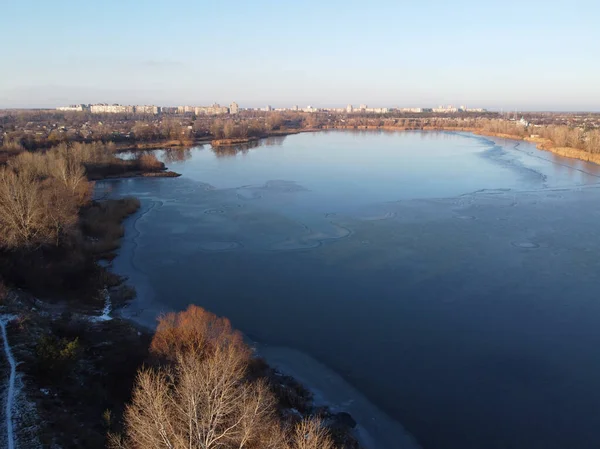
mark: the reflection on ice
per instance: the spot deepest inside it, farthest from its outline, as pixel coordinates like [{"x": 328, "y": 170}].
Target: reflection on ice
[
  {"x": 383, "y": 216},
  {"x": 218, "y": 246},
  {"x": 313, "y": 238}
]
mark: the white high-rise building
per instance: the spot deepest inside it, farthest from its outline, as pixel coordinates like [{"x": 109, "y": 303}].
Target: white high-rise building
[
  {"x": 104, "y": 108},
  {"x": 144, "y": 109},
  {"x": 74, "y": 108},
  {"x": 234, "y": 108}
]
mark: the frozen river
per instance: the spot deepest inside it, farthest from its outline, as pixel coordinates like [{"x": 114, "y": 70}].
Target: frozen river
[{"x": 453, "y": 280}]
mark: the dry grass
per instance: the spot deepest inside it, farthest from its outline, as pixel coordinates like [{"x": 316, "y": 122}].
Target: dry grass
[
  {"x": 161, "y": 174},
  {"x": 573, "y": 153},
  {"x": 102, "y": 221}
]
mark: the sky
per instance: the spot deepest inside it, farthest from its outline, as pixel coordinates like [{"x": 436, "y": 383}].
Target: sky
[{"x": 525, "y": 55}]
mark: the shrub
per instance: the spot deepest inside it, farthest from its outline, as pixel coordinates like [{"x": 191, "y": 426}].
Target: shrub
[
  {"x": 195, "y": 330},
  {"x": 33, "y": 164},
  {"x": 56, "y": 356},
  {"x": 12, "y": 145},
  {"x": 149, "y": 162},
  {"x": 103, "y": 221},
  {"x": 3, "y": 291}
]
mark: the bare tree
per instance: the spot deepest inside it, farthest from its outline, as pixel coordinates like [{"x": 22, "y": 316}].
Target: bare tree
[
  {"x": 67, "y": 169},
  {"x": 21, "y": 209},
  {"x": 592, "y": 141},
  {"x": 60, "y": 209},
  {"x": 310, "y": 434},
  {"x": 201, "y": 396},
  {"x": 201, "y": 403},
  {"x": 229, "y": 130},
  {"x": 217, "y": 129},
  {"x": 34, "y": 165}
]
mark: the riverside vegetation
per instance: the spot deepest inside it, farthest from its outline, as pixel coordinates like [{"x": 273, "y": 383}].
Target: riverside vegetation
[
  {"x": 569, "y": 134},
  {"x": 203, "y": 388},
  {"x": 52, "y": 230},
  {"x": 79, "y": 370}
]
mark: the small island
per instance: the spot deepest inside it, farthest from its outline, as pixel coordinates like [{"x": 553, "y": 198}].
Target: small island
[{"x": 232, "y": 142}]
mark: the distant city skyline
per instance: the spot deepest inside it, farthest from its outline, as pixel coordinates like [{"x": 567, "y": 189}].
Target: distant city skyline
[
  {"x": 234, "y": 108},
  {"x": 532, "y": 55}
]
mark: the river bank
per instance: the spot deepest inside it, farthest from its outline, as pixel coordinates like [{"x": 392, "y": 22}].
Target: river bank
[
  {"x": 232, "y": 142},
  {"x": 137, "y": 174},
  {"x": 73, "y": 361},
  {"x": 329, "y": 392},
  {"x": 374, "y": 429},
  {"x": 161, "y": 144},
  {"x": 541, "y": 143},
  {"x": 185, "y": 144}
]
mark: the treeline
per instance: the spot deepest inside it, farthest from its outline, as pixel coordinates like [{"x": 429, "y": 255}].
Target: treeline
[
  {"x": 47, "y": 131},
  {"x": 48, "y": 238},
  {"x": 560, "y": 135},
  {"x": 39, "y": 130},
  {"x": 40, "y": 195},
  {"x": 577, "y": 137},
  {"x": 250, "y": 127},
  {"x": 33, "y": 130},
  {"x": 204, "y": 388}
]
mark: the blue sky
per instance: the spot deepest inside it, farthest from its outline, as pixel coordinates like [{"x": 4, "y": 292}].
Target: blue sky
[{"x": 528, "y": 54}]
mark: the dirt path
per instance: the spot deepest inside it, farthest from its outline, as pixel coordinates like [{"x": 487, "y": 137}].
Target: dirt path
[{"x": 10, "y": 393}]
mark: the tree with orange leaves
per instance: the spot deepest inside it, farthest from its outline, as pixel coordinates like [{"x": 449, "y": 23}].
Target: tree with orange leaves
[{"x": 201, "y": 397}]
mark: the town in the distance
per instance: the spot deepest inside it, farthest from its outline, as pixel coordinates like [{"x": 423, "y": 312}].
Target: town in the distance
[{"x": 234, "y": 108}]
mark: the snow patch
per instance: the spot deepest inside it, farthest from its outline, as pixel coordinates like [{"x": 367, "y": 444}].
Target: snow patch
[
  {"x": 107, "y": 308},
  {"x": 10, "y": 395}
]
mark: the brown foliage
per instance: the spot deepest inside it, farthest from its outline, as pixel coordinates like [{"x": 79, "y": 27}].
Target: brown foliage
[
  {"x": 203, "y": 397},
  {"x": 22, "y": 210},
  {"x": 30, "y": 164},
  {"x": 69, "y": 171},
  {"x": 40, "y": 193},
  {"x": 194, "y": 330},
  {"x": 217, "y": 129},
  {"x": 12, "y": 145},
  {"x": 592, "y": 141},
  {"x": 35, "y": 212},
  {"x": 229, "y": 129},
  {"x": 274, "y": 121},
  {"x": 149, "y": 162},
  {"x": 61, "y": 208}
]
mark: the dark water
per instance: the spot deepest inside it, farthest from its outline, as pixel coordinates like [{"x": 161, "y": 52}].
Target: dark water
[{"x": 452, "y": 279}]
